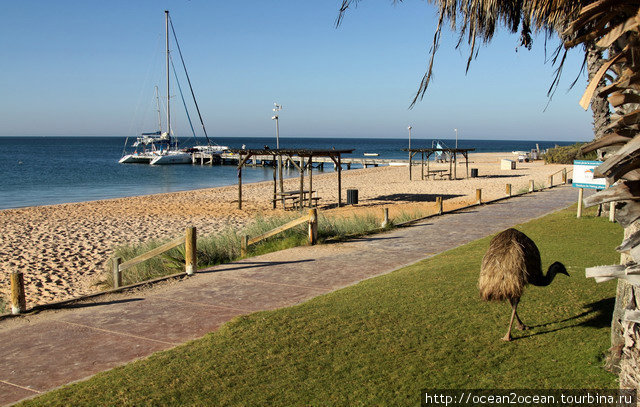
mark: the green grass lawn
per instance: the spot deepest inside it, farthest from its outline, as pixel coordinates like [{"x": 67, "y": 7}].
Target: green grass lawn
[{"x": 382, "y": 341}]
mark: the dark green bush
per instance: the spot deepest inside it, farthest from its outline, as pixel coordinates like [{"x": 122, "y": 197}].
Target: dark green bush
[{"x": 566, "y": 154}]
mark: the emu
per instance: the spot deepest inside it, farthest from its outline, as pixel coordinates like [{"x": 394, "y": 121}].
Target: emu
[{"x": 513, "y": 261}]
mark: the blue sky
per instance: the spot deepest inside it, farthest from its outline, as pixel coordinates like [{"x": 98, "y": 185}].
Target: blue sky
[{"x": 89, "y": 67}]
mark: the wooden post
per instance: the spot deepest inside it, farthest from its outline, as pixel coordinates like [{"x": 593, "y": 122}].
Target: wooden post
[
  {"x": 244, "y": 243},
  {"x": 301, "y": 202},
  {"x": 190, "y": 256},
  {"x": 310, "y": 180},
  {"x": 117, "y": 274},
  {"x": 275, "y": 184},
  {"x": 455, "y": 165},
  {"x": 612, "y": 211},
  {"x": 532, "y": 187},
  {"x": 580, "y": 194},
  {"x": 508, "y": 190},
  {"x": 564, "y": 175},
  {"x": 422, "y": 165},
  {"x": 240, "y": 182},
  {"x": 410, "y": 157},
  {"x": 450, "y": 160},
  {"x": 479, "y": 196},
  {"x": 339, "y": 181},
  {"x": 313, "y": 226},
  {"x": 550, "y": 181},
  {"x": 439, "y": 205},
  {"x": 385, "y": 218},
  {"x": 18, "y": 299}
]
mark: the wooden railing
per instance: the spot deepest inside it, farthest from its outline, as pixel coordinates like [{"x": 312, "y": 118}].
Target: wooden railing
[
  {"x": 312, "y": 219},
  {"x": 190, "y": 257}
]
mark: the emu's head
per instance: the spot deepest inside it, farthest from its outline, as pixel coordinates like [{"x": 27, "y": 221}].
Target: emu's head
[{"x": 557, "y": 268}]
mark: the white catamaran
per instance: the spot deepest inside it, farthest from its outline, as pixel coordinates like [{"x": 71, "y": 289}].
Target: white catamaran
[{"x": 161, "y": 148}]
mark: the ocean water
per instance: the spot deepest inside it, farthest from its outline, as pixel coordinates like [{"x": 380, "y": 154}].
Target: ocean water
[{"x": 53, "y": 170}]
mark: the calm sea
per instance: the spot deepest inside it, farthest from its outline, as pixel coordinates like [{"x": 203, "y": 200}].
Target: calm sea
[{"x": 52, "y": 170}]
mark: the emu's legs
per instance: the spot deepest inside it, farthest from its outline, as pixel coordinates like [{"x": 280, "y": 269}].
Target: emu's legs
[{"x": 514, "y": 314}]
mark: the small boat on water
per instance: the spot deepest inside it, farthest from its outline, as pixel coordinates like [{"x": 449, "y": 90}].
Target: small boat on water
[{"x": 371, "y": 154}]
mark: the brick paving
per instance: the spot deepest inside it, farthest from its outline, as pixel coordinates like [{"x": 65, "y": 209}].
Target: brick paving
[{"x": 43, "y": 351}]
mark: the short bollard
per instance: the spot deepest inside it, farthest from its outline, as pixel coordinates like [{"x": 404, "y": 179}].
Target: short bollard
[
  {"x": 313, "y": 226},
  {"x": 117, "y": 274},
  {"x": 550, "y": 181},
  {"x": 508, "y": 190},
  {"x": 18, "y": 299},
  {"x": 532, "y": 186},
  {"x": 385, "y": 218},
  {"x": 564, "y": 175},
  {"x": 439, "y": 207},
  {"x": 244, "y": 243},
  {"x": 190, "y": 255},
  {"x": 479, "y": 196}
]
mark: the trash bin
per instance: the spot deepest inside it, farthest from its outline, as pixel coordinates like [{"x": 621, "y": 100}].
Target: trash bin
[
  {"x": 474, "y": 173},
  {"x": 352, "y": 196}
]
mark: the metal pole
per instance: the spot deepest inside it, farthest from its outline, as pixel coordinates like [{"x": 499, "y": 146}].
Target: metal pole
[{"x": 166, "y": 22}]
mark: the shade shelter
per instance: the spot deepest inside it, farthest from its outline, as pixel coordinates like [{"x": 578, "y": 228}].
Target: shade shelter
[
  {"x": 426, "y": 153},
  {"x": 304, "y": 158}
]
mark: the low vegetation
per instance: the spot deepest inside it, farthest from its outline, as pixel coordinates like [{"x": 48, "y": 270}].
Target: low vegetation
[
  {"x": 384, "y": 340},
  {"x": 566, "y": 154}
]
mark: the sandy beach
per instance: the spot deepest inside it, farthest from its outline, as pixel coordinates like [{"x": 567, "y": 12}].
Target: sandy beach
[{"x": 61, "y": 249}]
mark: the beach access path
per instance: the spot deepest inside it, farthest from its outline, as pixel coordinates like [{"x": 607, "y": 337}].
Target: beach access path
[{"x": 52, "y": 348}]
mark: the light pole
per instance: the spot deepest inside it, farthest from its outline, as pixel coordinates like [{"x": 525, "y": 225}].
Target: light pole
[
  {"x": 456, "y": 130},
  {"x": 276, "y": 109}
]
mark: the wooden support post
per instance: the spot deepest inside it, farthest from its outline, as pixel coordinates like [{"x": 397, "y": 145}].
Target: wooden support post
[
  {"x": 385, "y": 218},
  {"x": 439, "y": 206},
  {"x": 301, "y": 202},
  {"x": 275, "y": 185},
  {"x": 310, "y": 181},
  {"x": 612, "y": 211},
  {"x": 410, "y": 164},
  {"x": 18, "y": 298},
  {"x": 190, "y": 256},
  {"x": 532, "y": 186},
  {"x": 580, "y": 195},
  {"x": 313, "y": 226},
  {"x": 455, "y": 165},
  {"x": 550, "y": 181},
  {"x": 450, "y": 161},
  {"x": 478, "y": 196},
  {"x": 564, "y": 175},
  {"x": 240, "y": 182},
  {"x": 508, "y": 190},
  {"x": 339, "y": 181},
  {"x": 422, "y": 165},
  {"x": 244, "y": 244},
  {"x": 117, "y": 274}
]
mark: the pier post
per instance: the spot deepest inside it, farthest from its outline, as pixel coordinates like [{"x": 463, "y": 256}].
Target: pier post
[
  {"x": 240, "y": 182},
  {"x": 339, "y": 181},
  {"x": 190, "y": 255},
  {"x": 117, "y": 274},
  {"x": 313, "y": 226},
  {"x": 385, "y": 218},
  {"x": 18, "y": 299}
]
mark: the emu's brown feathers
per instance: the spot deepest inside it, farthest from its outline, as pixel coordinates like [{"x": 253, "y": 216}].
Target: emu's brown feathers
[{"x": 510, "y": 263}]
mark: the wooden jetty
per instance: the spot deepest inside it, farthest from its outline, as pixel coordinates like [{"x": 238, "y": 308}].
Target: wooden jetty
[{"x": 261, "y": 160}]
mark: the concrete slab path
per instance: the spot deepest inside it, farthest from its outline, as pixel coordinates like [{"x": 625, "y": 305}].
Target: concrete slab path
[{"x": 47, "y": 350}]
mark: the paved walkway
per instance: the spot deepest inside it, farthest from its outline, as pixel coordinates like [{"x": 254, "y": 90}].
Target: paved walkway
[{"x": 44, "y": 351}]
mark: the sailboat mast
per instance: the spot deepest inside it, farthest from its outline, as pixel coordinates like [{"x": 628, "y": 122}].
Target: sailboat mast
[{"x": 166, "y": 23}]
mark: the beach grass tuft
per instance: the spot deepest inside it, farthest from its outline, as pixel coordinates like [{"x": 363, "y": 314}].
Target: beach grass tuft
[{"x": 385, "y": 339}]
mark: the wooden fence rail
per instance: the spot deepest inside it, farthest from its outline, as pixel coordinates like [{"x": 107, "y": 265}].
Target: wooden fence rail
[
  {"x": 189, "y": 240},
  {"x": 311, "y": 219}
]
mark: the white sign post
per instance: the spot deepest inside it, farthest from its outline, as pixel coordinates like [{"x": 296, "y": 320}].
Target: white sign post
[{"x": 583, "y": 178}]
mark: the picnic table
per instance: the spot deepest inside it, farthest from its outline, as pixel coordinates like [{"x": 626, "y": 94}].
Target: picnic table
[
  {"x": 294, "y": 197},
  {"x": 434, "y": 173}
]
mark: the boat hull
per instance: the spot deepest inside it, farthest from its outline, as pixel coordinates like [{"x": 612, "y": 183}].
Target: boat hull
[
  {"x": 170, "y": 159},
  {"x": 136, "y": 159}
]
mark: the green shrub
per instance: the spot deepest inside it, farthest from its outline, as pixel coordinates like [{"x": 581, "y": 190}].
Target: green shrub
[{"x": 566, "y": 154}]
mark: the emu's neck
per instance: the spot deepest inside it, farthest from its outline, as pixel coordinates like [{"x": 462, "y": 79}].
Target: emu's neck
[{"x": 543, "y": 280}]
